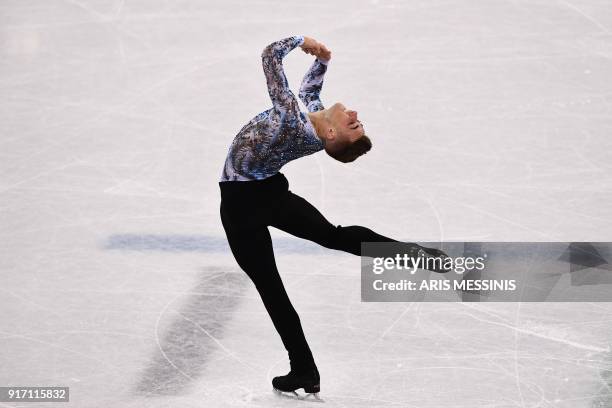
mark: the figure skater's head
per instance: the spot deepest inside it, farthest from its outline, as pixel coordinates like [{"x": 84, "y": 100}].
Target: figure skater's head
[{"x": 342, "y": 133}]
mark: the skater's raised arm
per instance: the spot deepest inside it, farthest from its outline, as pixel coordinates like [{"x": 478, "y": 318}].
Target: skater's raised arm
[
  {"x": 272, "y": 60},
  {"x": 313, "y": 80},
  {"x": 312, "y": 84}
]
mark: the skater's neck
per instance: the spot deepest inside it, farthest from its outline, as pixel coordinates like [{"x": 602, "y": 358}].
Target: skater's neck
[{"x": 320, "y": 123}]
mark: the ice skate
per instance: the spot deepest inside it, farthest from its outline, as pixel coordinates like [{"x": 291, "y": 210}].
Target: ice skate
[
  {"x": 309, "y": 381},
  {"x": 435, "y": 259},
  {"x": 430, "y": 259}
]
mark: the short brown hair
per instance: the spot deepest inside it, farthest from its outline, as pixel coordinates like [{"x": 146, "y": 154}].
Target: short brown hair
[{"x": 351, "y": 151}]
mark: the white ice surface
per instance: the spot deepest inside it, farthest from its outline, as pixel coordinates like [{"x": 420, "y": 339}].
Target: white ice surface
[{"x": 491, "y": 120}]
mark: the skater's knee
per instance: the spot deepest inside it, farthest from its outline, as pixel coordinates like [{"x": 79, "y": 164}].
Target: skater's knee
[
  {"x": 342, "y": 232},
  {"x": 346, "y": 238},
  {"x": 333, "y": 237}
]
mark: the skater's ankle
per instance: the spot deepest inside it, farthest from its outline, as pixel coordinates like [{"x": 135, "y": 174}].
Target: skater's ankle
[{"x": 308, "y": 372}]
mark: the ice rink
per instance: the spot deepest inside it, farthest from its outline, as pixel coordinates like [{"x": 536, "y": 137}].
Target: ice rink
[{"x": 491, "y": 121}]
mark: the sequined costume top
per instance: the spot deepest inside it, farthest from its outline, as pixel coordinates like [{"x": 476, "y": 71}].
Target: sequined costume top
[{"x": 280, "y": 134}]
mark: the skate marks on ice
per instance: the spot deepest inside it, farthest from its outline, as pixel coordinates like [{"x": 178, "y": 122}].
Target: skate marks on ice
[
  {"x": 202, "y": 243},
  {"x": 193, "y": 334},
  {"x": 603, "y": 395},
  {"x": 281, "y": 399}
]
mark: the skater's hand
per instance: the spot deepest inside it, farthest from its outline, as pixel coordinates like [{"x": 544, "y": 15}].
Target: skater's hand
[
  {"x": 324, "y": 53},
  {"x": 313, "y": 47}
]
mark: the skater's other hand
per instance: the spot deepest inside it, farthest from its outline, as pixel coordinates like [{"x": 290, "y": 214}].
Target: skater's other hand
[
  {"x": 313, "y": 47},
  {"x": 324, "y": 53},
  {"x": 309, "y": 43}
]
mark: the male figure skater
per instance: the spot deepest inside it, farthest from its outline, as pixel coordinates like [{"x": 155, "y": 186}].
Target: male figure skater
[{"x": 255, "y": 195}]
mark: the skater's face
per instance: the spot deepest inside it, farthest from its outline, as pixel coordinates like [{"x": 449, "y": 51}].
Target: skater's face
[{"x": 346, "y": 124}]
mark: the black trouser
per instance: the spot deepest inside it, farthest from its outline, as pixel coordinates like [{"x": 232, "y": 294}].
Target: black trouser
[{"x": 247, "y": 209}]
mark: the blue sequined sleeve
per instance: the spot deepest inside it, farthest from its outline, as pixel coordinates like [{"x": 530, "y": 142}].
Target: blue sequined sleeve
[
  {"x": 272, "y": 61},
  {"x": 312, "y": 84},
  {"x": 278, "y": 135}
]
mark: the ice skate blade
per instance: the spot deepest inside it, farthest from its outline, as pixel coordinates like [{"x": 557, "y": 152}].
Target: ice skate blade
[{"x": 310, "y": 397}]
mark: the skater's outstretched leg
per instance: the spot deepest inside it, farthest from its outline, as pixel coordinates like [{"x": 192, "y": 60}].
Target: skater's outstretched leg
[{"x": 303, "y": 220}]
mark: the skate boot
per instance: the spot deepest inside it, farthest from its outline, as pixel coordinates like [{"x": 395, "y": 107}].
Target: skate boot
[
  {"x": 308, "y": 380},
  {"x": 435, "y": 259}
]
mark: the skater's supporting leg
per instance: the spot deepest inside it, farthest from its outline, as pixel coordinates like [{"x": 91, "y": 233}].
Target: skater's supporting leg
[
  {"x": 253, "y": 251},
  {"x": 303, "y": 220}
]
